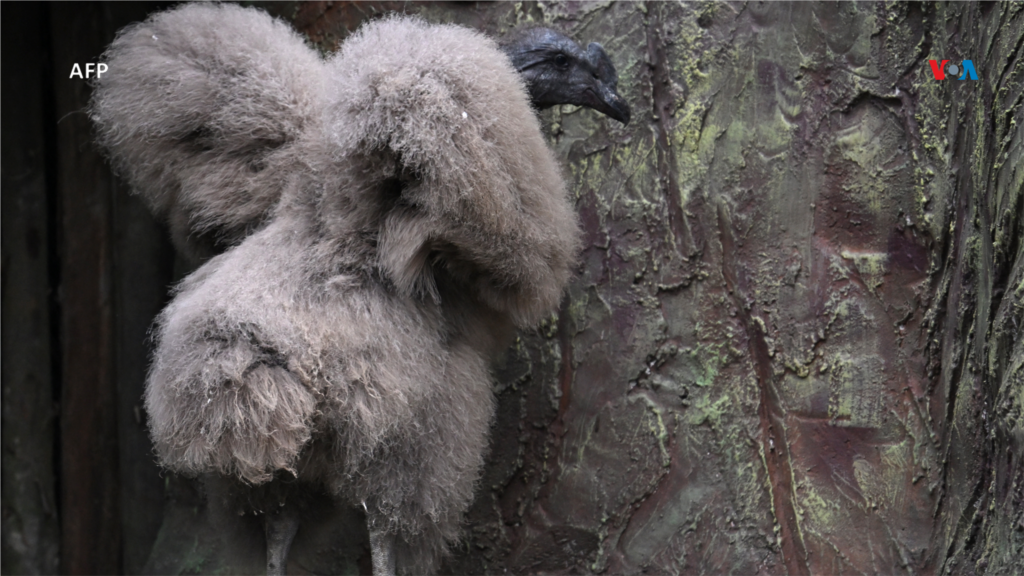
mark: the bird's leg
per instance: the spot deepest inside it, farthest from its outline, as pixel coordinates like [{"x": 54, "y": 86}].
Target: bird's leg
[
  {"x": 382, "y": 552},
  {"x": 281, "y": 526}
]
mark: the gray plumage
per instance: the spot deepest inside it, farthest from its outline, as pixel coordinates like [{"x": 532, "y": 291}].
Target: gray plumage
[
  {"x": 207, "y": 102},
  {"x": 200, "y": 112},
  {"x": 392, "y": 214}
]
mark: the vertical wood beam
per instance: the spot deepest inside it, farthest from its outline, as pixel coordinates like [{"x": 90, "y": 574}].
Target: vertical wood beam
[
  {"x": 30, "y": 524},
  {"x": 90, "y": 523}
]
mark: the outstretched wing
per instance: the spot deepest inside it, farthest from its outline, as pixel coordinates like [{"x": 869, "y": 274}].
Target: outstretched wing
[
  {"x": 482, "y": 196},
  {"x": 199, "y": 110}
]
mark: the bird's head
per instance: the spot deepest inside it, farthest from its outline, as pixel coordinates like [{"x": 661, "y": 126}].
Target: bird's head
[{"x": 558, "y": 71}]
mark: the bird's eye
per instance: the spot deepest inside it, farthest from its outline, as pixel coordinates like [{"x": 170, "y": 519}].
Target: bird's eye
[{"x": 562, "y": 61}]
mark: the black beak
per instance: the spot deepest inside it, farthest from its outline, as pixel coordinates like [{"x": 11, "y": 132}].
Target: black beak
[
  {"x": 605, "y": 97},
  {"x": 608, "y": 102}
]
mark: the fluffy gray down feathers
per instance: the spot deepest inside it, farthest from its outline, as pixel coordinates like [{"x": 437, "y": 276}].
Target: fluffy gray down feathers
[
  {"x": 422, "y": 218},
  {"x": 200, "y": 116}
]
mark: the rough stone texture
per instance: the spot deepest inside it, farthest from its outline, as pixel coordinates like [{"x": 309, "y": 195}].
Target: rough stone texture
[{"x": 794, "y": 342}]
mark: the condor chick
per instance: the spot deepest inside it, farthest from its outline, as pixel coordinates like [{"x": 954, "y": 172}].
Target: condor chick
[{"x": 421, "y": 220}]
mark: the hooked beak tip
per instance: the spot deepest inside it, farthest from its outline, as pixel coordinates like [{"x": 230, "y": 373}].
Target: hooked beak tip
[
  {"x": 622, "y": 112},
  {"x": 607, "y": 101},
  {"x": 616, "y": 108}
]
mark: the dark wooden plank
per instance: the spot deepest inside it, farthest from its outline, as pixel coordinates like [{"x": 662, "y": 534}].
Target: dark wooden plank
[
  {"x": 30, "y": 526},
  {"x": 143, "y": 264},
  {"x": 90, "y": 524}
]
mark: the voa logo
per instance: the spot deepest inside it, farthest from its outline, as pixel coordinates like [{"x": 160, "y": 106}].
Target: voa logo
[{"x": 965, "y": 69}]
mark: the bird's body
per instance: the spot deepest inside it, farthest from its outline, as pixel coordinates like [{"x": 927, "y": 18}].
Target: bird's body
[
  {"x": 333, "y": 376},
  {"x": 403, "y": 218}
]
